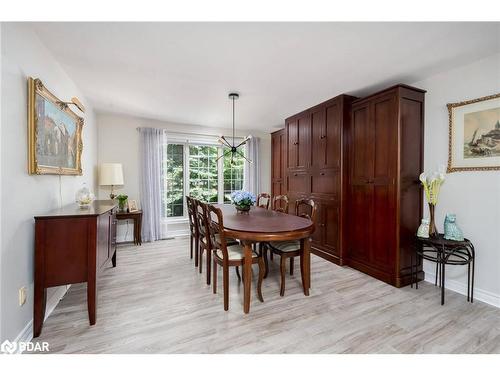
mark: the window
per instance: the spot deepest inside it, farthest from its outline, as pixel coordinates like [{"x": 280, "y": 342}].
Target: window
[
  {"x": 194, "y": 170},
  {"x": 173, "y": 164},
  {"x": 233, "y": 175}
]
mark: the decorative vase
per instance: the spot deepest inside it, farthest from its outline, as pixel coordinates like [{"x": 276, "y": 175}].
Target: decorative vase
[
  {"x": 121, "y": 205},
  {"x": 451, "y": 229},
  {"x": 84, "y": 197},
  {"x": 242, "y": 209},
  {"x": 423, "y": 229},
  {"x": 432, "y": 224}
]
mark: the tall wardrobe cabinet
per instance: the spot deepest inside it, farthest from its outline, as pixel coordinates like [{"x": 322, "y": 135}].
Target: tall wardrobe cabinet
[
  {"x": 359, "y": 160},
  {"x": 384, "y": 196}
]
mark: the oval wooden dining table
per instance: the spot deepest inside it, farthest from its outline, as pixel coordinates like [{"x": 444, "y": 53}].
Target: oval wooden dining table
[{"x": 262, "y": 225}]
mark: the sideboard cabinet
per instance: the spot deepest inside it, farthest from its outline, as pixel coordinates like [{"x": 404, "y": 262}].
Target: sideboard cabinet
[{"x": 72, "y": 245}]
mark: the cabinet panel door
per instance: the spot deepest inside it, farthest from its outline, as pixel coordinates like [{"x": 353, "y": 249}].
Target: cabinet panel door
[
  {"x": 318, "y": 234},
  {"x": 332, "y": 137},
  {"x": 361, "y": 197},
  {"x": 318, "y": 134},
  {"x": 304, "y": 141},
  {"x": 326, "y": 181},
  {"x": 292, "y": 140},
  {"x": 361, "y": 145},
  {"x": 385, "y": 133},
  {"x": 277, "y": 155},
  {"x": 299, "y": 182},
  {"x": 330, "y": 211}
]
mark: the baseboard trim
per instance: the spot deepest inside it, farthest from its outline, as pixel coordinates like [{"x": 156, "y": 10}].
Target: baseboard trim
[
  {"x": 461, "y": 288},
  {"x": 26, "y": 333}
]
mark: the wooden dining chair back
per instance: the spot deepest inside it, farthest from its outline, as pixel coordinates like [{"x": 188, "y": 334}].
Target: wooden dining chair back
[
  {"x": 306, "y": 208},
  {"x": 228, "y": 254},
  {"x": 280, "y": 203},
  {"x": 263, "y": 200},
  {"x": 204, "y": 243},
  {"x": 193, "y": 229}
]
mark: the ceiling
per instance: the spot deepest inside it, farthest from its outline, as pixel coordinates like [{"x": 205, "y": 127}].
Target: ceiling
[{"x": 183, "y": 72}]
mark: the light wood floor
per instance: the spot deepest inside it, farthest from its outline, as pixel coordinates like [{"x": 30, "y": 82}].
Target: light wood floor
[{"x": 155, "y": 301}]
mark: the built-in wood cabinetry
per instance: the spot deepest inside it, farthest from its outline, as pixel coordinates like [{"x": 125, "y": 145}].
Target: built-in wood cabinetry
[
  {"x": 315, "y": 164},
  {"x": 385, "y": 199},
  {"x": 278, "y": 155},
  {"x": 359, "y": 159}
]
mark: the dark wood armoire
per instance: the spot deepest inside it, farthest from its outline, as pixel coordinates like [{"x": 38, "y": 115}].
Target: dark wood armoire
[
  {"x": 385, "y": 199},
  {"x": 315, "y": 165},
  {"x": 359, "y": 159}
]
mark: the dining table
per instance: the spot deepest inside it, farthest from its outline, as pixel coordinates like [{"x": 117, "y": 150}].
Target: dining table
[{"x": 263, "y": 225}]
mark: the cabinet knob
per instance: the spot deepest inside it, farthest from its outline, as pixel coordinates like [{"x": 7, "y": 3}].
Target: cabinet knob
[
  {"x": 322, "y": 174},
  {"x": 295, "y": 174},
  {"x": 323, "y": 137}
]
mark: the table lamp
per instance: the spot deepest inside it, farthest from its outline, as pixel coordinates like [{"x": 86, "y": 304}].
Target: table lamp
[{"x": 111, "y": 174}]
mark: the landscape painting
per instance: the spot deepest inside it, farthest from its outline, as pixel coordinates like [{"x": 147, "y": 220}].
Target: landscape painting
[
  {"x": 474, "y": 134},
  {"x": 55, "y": 143}
]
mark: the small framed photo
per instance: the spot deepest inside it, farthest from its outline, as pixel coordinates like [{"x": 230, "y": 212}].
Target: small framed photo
[
  {"x": 474, "y": 139},
  {"x": 132, "y": 205}
]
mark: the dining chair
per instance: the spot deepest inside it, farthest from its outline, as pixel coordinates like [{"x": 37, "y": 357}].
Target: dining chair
[
  {"x": 280, "y": 203},
  {"x": 291, "y": 249},
  {"x": 263, "y": 197},
  {"x": 193, "y": 229},
  {"x": 227, "y": 255},
  {"x": 203, "y": 236}
]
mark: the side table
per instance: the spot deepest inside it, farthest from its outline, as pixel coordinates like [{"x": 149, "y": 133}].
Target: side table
[
  {"x": 137, "y": 217},
  {"x": 442, "y": 252}
]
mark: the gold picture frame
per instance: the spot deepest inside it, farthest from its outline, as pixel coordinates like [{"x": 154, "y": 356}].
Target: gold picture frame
[
  {"x": 474, "y": 135},
  {"x": 54, "y": 133},
  {"x": 132, "y": 205}
]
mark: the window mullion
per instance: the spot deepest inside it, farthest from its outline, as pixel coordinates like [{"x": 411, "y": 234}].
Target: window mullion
[
  {"x": 220, "y": 175},
  {"x": 186, "y": 175}
]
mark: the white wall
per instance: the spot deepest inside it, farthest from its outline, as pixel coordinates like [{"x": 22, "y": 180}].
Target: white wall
[
  {"x": 473, "y": 196},
  {"x": 22, "y": 195},
  {"x": 119, "y": 143}
]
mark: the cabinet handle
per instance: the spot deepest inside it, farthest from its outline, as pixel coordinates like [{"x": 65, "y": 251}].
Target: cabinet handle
[
  {"x": 323, "y": 137},
  {"x": 295, "y": 174},
  {"x": 322, "y": 224},
  {"x": 322, "y": 173}
]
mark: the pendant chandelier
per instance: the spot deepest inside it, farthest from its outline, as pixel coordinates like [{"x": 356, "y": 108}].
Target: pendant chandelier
[{"x": 232, "y": 147}]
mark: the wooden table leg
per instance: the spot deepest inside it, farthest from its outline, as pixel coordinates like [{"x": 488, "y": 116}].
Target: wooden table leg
[
  {"x": 306, "y": 244},
  {"x": 40, "y": 300},
  {"x": 247, "y": 276}
]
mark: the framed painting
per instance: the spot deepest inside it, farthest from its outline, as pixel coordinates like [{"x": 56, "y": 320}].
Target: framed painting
[
  {"x": 54, "y": 133},
  {"x": 474, "y": 135}
]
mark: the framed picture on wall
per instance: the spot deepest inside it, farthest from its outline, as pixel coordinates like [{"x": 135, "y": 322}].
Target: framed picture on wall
[
  {"x": 474, "y": 135},
  {"x": 54, "y": 133}
]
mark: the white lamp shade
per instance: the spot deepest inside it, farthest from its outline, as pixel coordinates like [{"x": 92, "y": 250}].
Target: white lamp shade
[{"x": 111, "y": 174}]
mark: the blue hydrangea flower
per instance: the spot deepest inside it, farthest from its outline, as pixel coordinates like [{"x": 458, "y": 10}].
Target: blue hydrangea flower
[{"x": 243, "y": 198}]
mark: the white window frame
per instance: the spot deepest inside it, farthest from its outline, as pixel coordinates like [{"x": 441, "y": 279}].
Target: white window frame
[{"x": 195, "y": 140}]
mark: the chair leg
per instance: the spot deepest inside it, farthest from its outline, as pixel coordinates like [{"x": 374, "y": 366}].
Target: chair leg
[
  {"x": 196, "y": 252},
  {"x": 291, "y": 265},
  {"x": 302, "y": 268},
  {"x": 200, "y": 260},
  {"x": 209, "y": 265},
  {"x": 214, "y": 281},
  {"x": 262, "y": 270},
  {"x": 191, "y": 239},
  {"x": 263, "y": 254},
  {"x": 225, "y": 281},
  {"x": 237, "y": 269},
  {"x": 283, "y": 271}
]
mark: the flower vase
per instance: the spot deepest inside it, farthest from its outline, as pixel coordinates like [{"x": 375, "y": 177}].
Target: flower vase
[
  {"x": 242, "y": 209},
  {"x": 432, "y": 224}
]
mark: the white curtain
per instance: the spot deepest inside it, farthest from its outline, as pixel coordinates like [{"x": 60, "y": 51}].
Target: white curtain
[
  {"x": 151, "y": 186},
  {"x": 251, "y": 178}
]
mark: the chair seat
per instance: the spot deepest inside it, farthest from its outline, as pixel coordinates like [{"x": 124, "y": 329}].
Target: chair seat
[
  {"x": 235, "y": 252},
  {"x": 286, "y": 246}
]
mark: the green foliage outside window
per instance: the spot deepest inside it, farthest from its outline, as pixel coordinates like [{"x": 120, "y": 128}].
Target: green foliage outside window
[{"x": 203, "y": 182}]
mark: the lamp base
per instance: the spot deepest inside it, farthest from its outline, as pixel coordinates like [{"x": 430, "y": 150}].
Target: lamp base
[{"x": 112, "y": 196}]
